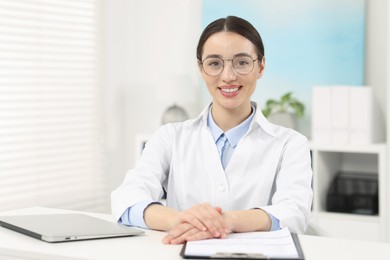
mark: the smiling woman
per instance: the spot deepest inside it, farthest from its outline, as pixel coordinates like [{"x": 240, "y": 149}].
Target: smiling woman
[
  {"x": 232, "y": 81},
  {"x": 229, "y": 169}
]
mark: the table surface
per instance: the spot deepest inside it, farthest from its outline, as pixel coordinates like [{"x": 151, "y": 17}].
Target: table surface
[{"x": 17, "y": 246}]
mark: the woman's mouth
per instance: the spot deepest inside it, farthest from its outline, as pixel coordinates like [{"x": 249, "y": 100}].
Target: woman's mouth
[{"x": 230, "y": 91}]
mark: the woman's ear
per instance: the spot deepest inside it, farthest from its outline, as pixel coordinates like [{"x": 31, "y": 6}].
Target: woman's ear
[
  {"x": 261, "y": 67},
  {"x": 199, "y": 65},
  {"x": 200, "y": 68}
]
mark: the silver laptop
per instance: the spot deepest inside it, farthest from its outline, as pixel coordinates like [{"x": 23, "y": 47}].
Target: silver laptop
[{"x": 66, "y": 227}]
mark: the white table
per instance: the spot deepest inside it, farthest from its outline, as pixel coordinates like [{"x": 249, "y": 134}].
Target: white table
[{"x": 16, "y": 246}]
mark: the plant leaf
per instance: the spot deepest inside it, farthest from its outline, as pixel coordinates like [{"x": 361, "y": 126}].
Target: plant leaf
[
  {"x": 271, "y": 102},
  {"x": 286, "y": 97},
  {"x": 266, "y": 111},
  {"x": 284, "y": 104},
  {"x": 298, "y": 108}
]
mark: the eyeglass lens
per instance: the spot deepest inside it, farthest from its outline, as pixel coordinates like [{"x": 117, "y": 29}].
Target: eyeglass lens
[{"x": 213, "y": 66}]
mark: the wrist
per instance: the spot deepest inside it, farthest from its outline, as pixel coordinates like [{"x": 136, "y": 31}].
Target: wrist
[
  {"x": 266, "y": 222},
  {"x": 247, "y": 220},
  {"x": 230, "y": 217},
  {"x": 159, "y": 217},
  {"x": 173, "y": 219}
]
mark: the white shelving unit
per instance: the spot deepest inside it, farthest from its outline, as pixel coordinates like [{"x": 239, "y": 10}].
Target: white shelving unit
[{"x": 330, "y": 159}]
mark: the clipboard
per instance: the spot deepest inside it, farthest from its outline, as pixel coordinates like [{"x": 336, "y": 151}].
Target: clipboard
[{"x": 243, "y": 255}]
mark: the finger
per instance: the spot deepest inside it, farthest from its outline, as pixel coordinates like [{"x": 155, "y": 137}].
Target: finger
[
  {"x": 180, "y": 230},
  {"x": 167, "y": 239},
  {"x": 207, "y": 215},
  {"x": 200, "y": 236},
  {"x": 184, "y": 237},
  {"x": 176, "y": 232},
  {"x": 191, "y": 219},
  {"x": 211, "y": 218}
]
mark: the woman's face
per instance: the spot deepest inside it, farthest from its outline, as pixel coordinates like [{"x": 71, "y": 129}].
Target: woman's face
[{"x": 229, "y": 89}]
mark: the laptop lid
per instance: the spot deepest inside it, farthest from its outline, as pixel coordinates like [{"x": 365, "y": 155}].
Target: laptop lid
[{"x": 66, "y": 227}]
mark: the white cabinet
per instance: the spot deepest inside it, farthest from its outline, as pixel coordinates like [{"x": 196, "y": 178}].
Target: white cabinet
[{"x": 329, "y": 160}]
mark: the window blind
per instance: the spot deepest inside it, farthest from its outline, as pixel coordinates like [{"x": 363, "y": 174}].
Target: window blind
[{"x": 50, "y": 105}]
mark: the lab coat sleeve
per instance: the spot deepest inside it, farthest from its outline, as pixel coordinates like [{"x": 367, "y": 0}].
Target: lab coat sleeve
[
  {"x": 146, "y": 180},
  {"x": 292, "y": 193}
]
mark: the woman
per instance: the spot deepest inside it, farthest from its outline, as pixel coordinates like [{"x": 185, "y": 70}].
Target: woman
[{"x": 228, "y": 170}]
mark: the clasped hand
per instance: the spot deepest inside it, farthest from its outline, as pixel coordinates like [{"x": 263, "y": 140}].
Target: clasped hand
[{"x": 201, "y": 221}]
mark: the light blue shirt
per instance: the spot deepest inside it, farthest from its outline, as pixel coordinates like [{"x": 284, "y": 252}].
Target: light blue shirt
[{"x": 226, "y": 143}]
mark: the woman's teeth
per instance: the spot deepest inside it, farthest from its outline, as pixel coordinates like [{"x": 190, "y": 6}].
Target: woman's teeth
[{"x": 229, "y": 90}]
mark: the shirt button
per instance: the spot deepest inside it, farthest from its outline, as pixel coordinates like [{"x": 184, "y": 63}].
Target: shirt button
[{"x": 221, "y": 188}]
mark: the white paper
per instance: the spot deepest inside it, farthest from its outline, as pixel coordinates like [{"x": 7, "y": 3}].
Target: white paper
[{"x": 274, "y": 244}]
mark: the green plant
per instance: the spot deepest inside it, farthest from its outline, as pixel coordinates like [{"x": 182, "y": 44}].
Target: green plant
[{"x": 286, "y": 104}]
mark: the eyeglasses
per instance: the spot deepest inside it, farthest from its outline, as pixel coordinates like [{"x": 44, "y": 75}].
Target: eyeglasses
[{"x": 213, "y": 66}]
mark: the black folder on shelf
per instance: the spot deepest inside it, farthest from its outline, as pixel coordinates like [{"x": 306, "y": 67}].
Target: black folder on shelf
[{"x": 242, "y": 254}]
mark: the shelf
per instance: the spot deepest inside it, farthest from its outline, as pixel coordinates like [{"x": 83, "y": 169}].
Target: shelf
[
  {"x": 349, "y": 226},
  {"x": 369, "y": 148},
  {"x": 347, "y": 217},
  {"x": 328, "y": 160}
]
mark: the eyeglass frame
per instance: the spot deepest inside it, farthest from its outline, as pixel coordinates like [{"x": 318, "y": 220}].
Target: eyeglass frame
[{"x": 223, "y": 63}]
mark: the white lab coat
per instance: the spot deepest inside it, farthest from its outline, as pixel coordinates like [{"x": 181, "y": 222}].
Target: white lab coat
[{"x": 269, "y": 169}]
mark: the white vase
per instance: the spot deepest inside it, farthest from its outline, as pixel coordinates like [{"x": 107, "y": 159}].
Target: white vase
[
  {"x": 174, "y": 114},
  {"x": 284, "y": 119}
]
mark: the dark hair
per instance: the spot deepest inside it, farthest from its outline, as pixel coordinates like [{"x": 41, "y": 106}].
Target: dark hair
[{"x": 231, "y": 24}]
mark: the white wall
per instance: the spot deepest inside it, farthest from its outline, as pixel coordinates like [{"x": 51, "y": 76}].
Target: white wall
[
  {"x": 145, "y": 43},
  {"x": 388, "y": 116},
  {"x": 377, "y": 75},
  {"x": 378, "y": 72},
  {"x": 377, "y": 49}
]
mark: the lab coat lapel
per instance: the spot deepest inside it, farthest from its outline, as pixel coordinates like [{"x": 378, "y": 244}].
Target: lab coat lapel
[
  {"x": 219, "y": 186},
  {"x": 210, "y": 152}
]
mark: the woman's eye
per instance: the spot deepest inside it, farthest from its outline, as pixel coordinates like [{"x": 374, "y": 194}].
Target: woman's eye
[
  {"x": 242, "y": 63},
  {"x": 214, "y": 63}
]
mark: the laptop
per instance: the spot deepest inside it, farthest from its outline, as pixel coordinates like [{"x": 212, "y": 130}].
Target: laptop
[{"x": 66, "y": 227}]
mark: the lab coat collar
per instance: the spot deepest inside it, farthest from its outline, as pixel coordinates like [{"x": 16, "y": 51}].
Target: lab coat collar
[{"x": 259, "y": 120}]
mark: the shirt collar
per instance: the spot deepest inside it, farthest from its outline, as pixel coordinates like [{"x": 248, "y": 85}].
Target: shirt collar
[
  {"x": 233, "y": 135},
  {"x": 259, "y": 120}
]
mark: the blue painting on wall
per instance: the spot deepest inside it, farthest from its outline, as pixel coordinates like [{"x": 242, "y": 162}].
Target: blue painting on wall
[{"x": 307, "y": 43}]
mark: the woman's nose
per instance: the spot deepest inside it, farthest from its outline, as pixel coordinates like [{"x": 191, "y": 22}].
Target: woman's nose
[{"x": 228, "y": 73}]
